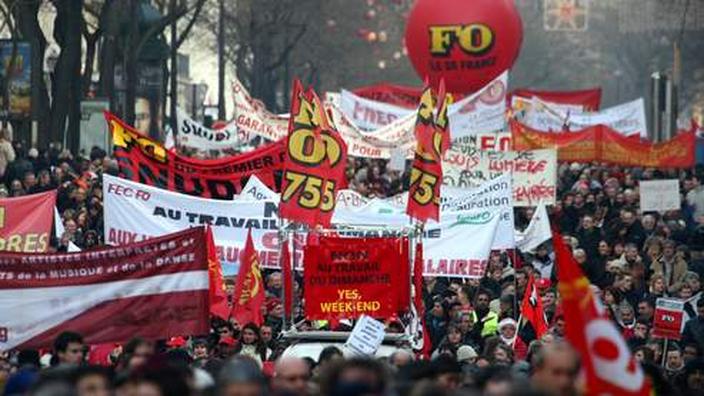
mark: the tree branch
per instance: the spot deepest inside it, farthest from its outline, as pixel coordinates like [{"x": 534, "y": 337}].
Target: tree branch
[
  {"x": 287, "y": 49},
  {"x": 198, "y": 7},
  {"x": 157, "y": 28}
]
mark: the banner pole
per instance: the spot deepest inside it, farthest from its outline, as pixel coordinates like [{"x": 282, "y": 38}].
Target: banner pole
[
  {"x": 515, "y": 283},
  {"x": 283, "y": 238},
  {"x": 518, "y": 328},
  {"x": 664, "y": 353}
]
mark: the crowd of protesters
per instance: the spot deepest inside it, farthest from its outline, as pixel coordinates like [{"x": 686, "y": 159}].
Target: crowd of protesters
[{"x": 478, "y": 347}]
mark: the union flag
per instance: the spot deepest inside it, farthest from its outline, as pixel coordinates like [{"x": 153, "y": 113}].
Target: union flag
[
  {"x": 609, "y": 366},
  {"x": 249, "y": 289},
  {"x": 218, "y": 295}
]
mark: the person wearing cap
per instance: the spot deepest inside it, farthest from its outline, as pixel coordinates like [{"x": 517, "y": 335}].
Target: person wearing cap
[
  {"x": 274, "y": 314},
  {"x": 466, "y": 355},
  {"x": 508, "y": 334}
]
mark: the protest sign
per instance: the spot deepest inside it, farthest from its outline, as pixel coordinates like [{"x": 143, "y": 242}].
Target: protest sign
[
  {"x": 628, "y": 118},
  {"x": 495, "y": 141},
  {"x": 534, "y": 172},
  {"x": 366, "y": 337},
  {"x": 601, "y": 143},
  {"x": 314, "y": 162},
  {"x": 350, "y": 277},
  {"x": 482, "y": 112},
  {"x": 252, "y": 118},
  {"x": 146, "y": 161},
  {"x": 668, "y": 318},
  {"x": 152, "y": 288},
  {"x": 659, "y": 195},
  {"x": 154, "y": 212},
  {"x": 191, "y": 133},
  {"x": 369, "y": 115},
  {"x": 587, "y": 100},
  {"x": 25, "y": 222}
]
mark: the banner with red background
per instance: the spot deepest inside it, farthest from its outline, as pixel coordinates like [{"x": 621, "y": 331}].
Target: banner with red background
[
  {"x": 601, "y": 143},
  {"x": 399, "y": 95},
  {"x": 589, "y": 99},
  {"x": 25, "y": 222},
  {"x": 146, "y": 161},
  {"x": 349, "y": 277}
]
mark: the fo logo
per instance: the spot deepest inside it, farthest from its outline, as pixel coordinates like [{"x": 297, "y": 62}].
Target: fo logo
[{"x": 475, "y": 39}]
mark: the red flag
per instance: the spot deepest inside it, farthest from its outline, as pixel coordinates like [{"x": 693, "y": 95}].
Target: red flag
[
  {"x": 249, "y": 290},
  {"x": 609, "y": 365},
  {"x": 285, "y": 262},
  {"x": 314, "y": 162},
  {"x": 218, "y": 296},
  {"x": 426, "y": 174},
  {"x": 443, "y": 122},
  {"x": 532, "y": 309}
]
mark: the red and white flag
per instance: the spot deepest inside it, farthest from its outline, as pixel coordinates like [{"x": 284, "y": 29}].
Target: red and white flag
[
  {"x": 609, "y": 365},
  {"x": 154, "y": 289},
  {"x": 532, "y": 309}
]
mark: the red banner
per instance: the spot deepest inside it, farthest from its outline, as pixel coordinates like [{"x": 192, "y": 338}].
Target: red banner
[
  {"x": 315, "y": 161},
  {"x": 668, "y": 318},
  {"x": 25, "y": 222},
  {"x": 601, "y": 143},
  {"x": 349, "y": 277},
  {"x": 156, "y": 288},
  {"x": 146, "y": 161},
  {"x": 589, "y": 99},
  {"x": 398, "y": 95},
  {"x": 426, "y": 174}
]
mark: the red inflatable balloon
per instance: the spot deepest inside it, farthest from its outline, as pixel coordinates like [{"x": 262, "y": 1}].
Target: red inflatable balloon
[{"x": 466, "y": 42}]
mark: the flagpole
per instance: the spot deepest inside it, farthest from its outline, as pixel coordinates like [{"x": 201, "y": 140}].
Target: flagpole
[
  {"x": 518, "y": 327},
  {"x": 515, "y": 282}
]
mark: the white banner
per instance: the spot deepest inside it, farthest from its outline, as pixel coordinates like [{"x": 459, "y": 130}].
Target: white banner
[
  {"x": 627, "y": 118},
  {"x": 659, "y": 195},
  {"x": 534, "y": 172},
  {"x": 483, "y": 216},
  {"x": 192, "y": 134},
  {"x": 369, "y": 115},
  {"x": 481, "y": 112},
  {"x": 379, "y": 143},
  {"x": 253, "y": 119},
  {"x": 134, "y": 212}
]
